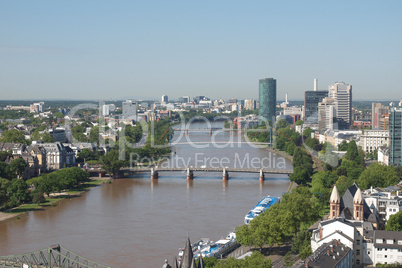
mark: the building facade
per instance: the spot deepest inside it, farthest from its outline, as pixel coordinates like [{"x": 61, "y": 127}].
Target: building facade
[
  {"x": 395, "y": 127},
  {"x": 342, "y": 94},
  {"x": 267, "y": 97},
  {"x": 311, "y": 100},
  {"x": 250, "y": 104},
  {"x": 371, "y": 139},
  {"x": 327, "y": 115},
  {"x": 129, "y": 109},
  {"x": 378, "y": 111}
]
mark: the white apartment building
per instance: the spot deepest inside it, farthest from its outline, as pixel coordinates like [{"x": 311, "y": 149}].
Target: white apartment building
[
  {"x": 371, "y": 139},
  {"x": 383, "y": 202},
  {"x": 384, "y": 247}
]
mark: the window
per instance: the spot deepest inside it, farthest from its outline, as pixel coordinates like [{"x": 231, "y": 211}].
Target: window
[
  {"x": 358, "y": 252},
  {"x": 358, "y": 242},
  {"x": 378, "y": 241},
  {"x": 357, "y": 261},
  {"x": 368, "y": 252},
  {"x": 385, "y": 256},
  {"x": 390, "y": 241},
  {"x": 379, "y": 255},
  {"x": 399, "y": 242}
]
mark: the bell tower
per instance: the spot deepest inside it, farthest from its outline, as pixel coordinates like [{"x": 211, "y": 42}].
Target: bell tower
[
  {"x": 358, "y": 205},
  {"x": 334, "y": 204}
]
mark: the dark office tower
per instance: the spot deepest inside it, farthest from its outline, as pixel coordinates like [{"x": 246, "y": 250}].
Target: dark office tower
[
  {"x": 395, "y": 133},
  {"x": 311, "y": 100},
  {"x": 267, "y": 99}
]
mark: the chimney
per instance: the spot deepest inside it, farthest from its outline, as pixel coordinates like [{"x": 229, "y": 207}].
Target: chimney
[
  {"x": 315, "y": 84},
  {"x": 286, "y": 98}
]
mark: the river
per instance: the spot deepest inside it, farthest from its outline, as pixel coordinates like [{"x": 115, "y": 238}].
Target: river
[{"x": 135, "y": 222}]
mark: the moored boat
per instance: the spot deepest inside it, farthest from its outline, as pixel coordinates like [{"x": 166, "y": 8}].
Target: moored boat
[{"x": 264, "y": 204}]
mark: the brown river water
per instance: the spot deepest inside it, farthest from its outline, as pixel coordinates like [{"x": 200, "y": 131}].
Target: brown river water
[{"x": 135, "y": 222}]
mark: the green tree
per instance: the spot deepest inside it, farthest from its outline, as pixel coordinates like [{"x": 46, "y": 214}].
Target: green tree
[
  {"x": 4, "y": 184},
  {"x": 300, "y": 175},
  {"x": 13, "y": 136},
  {"x": 281, "y": 123},
  {"x": 94, "y": 135},
  {"x": 38, "y": 198},
  {"x": 17, "y": 167},
  {"x": 5, "y": 154},
  {"x": 290, "y": 148},
  {"x": 378, "y": 175},
  {"x": 307, "y": 132},
  {"x": 111, "y": 162},
  {"x": 299, "y": 122},
  {"x": 256, "y": 260},
  {"x": 352, "y": 151},
  {"x": 343, "y": 146},
  {"x": 209, "y": 262},
  {"x": 343, "y": 183},
  {"x": 301, "y": 244},
  {"x": 395, "y": 222},
  {"x": 18, "y": 192},
  {"x": 4, "y": 170},
  {"x": 87, "y": 155},
  {"x": 78, "y": 133}
]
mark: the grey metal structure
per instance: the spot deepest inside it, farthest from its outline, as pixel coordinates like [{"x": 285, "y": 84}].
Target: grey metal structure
[{"x": 53, "y": 256}]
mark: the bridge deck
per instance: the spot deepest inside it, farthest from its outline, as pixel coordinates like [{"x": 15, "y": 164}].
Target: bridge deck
[{"x": 254, "y": 170}]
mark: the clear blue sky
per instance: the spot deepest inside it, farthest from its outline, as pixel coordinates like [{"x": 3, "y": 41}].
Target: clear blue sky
[{"x": 118, "y": 49}]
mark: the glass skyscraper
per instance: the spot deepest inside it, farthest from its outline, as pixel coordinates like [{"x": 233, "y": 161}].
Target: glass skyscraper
[
  {"x": 395, "y": 132},
  {"x": 311, "y": 100},
  {"x": 267, "y": 95}
]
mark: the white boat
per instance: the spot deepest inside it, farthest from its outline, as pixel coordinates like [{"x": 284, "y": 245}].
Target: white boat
[{"x": 261, "y": 206}]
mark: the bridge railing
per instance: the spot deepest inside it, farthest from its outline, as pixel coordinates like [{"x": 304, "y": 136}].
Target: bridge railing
[{"x": 54, "y": 256}]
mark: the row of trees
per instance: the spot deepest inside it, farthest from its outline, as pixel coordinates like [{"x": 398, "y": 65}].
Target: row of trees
[
  {"x": 59, "y": 180},
  {"x": 256, "y": 260},
  {"x": 296, "y": 211},
  {"x": 14, "y": 192}
]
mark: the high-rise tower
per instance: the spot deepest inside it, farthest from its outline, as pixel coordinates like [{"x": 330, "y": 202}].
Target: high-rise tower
[
  {"x": 267, "y": 94},
  {"x": 342, "y": 94},
  {"x": 311, "y": 100},
  {"x": 395, "y": 133}
]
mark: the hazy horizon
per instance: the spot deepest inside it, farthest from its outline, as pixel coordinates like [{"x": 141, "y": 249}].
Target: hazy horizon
[{"x": 220, "y": 49}]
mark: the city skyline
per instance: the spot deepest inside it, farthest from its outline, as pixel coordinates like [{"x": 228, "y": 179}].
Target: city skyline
[{"x": 100, "y": 50}]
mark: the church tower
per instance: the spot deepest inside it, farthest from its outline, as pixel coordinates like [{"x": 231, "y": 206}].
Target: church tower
[
  {"x": 334, "y": 204},
  {"x": 358, "y": 205}
]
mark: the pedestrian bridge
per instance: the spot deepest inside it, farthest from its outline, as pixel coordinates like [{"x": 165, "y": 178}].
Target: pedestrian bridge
[{"x": 53, "y": 256}]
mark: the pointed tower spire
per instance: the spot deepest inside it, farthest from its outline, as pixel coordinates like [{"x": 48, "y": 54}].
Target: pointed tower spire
[
  {"x": 187, "y": 255},
  {"x": 334, "y": 196},
  {"x": 200, "y": 262},
  {"x": 175, "y": 265},
  {"x": 358, "y": 205},
  {"x": 334, "y": 203},
  {"x": 193, "y": 265}
]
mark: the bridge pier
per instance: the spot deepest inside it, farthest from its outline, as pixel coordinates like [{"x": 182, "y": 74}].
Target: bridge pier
[
  {"x": 190, "y": 174},
  {"x": 225, "y": 175},
  {"x": 262, "y": 176},
  {"x": 154, "y": 174}
]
